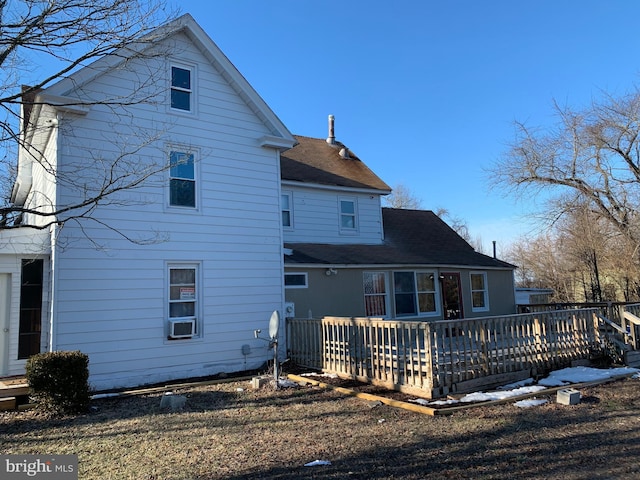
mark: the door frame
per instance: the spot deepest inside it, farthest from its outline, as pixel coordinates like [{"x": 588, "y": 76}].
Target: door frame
[
  {"x": 5, "y": 321},
  {"x": 443, "y": 285}
]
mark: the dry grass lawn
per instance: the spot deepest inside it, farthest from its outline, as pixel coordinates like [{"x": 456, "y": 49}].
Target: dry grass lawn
[{"x": 233, "y": 432}]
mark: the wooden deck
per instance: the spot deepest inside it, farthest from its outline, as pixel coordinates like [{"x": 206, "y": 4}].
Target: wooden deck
[
  {"x": 11, "y": 389},
  {"x": 433, "y": 359}
]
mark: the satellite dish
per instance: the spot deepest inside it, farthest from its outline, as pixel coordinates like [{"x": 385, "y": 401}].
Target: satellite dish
[{"x": 274, "y": 325}]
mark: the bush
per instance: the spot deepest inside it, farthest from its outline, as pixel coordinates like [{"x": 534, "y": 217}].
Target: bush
[{"x": 59, "y": 381}]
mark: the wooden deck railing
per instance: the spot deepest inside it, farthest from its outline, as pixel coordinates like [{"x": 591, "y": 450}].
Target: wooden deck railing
[{"x": 434, "y": 358}]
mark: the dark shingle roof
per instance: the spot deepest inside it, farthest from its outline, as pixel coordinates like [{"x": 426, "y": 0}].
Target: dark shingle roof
[
  {"x": 412, "y": 237},
  {"x": 313, "y": 160}
]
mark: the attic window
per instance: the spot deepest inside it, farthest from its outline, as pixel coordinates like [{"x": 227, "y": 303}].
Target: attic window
[{"x": 181, "y": 88}]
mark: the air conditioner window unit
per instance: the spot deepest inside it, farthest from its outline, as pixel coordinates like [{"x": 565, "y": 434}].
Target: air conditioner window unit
[{"x": 182, "y": 328}]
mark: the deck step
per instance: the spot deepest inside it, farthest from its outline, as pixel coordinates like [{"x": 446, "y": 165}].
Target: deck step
[
  {"x": 632, "y": 359},
  {"x": 13, "y": 387},
  {"x": 7, "y": 403}
]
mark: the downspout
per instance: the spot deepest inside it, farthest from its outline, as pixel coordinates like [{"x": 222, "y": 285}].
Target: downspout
[{"x": 54, "y": 231}]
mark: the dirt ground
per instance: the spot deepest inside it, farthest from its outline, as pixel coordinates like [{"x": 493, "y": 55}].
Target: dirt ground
[{"x": 231, "y": 431}]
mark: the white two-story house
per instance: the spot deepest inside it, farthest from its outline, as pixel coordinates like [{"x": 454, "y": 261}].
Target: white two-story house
[{"x": 216, "y": 217}]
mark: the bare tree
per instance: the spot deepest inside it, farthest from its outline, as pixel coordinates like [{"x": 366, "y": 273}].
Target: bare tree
[
  {"x": 541, "y": 265},
  {"x": 589, "y": 157},
  {"x": 65, "y": 35},
  {"x": 402, "y": 197},
  {"x": 459, "y": 225}
]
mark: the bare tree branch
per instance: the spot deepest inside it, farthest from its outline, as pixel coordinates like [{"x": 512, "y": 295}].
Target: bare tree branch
[{"x": 65, "y": 35}]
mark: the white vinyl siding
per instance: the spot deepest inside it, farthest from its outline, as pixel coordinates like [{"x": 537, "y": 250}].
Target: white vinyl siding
[
  {"x": 317, "y": 217},
  {"x": 111, "y": 300}
]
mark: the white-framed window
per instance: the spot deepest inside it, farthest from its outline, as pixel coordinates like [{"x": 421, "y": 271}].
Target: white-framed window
[
  {"x": 348, "y": 214},
  {"x": 416, "y": 293},
  {"x": 427, "y": 292},
  {"x": 183, "y": 300},
  {"x": 479, "y": 292},
  {"x": 182, "y": 88},
  {"x": 182, "y": 179},
  {"x": 296, "y": 280},
  {"x": 375, "y": 294},
  {"x": 287, "y": 209}
]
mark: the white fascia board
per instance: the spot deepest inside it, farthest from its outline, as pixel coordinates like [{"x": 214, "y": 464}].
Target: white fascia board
[
  {"x": 25, "y": 241},
  {"x": 236, "y": 79},
  {"x": 320, "y": 186},
  {"x": 65, "y": 104},
  {"x": 383, "y": 266},
  {"x": 278, "y": 143}
]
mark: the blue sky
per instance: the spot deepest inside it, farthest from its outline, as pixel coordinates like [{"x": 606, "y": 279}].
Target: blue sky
[{"x": 426, "y": 92}]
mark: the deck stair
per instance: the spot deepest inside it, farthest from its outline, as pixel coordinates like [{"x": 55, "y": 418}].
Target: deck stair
[
  {"x": 621, "y": 341},
  {"x": 13, "y": 392}
]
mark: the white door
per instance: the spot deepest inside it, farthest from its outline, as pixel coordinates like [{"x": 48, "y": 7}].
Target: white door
[{"x": 5, "y": 297}]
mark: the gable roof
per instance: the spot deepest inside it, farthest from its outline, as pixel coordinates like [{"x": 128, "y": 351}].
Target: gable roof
[
  {"x": 313, "y": 160},
  {"x": 280, "y": 136},
  {"x": 412, "y": 238}
]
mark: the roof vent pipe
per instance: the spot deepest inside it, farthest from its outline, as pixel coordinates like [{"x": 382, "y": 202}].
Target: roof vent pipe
[
  {"x": 494, "y": 250},
  {"x": 331, "y": 139}
]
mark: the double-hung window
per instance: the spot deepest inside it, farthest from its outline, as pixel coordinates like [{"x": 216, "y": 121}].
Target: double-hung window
[
  {"x": 415, "y": 293},
  {"x": 182, "y": 88},
  {"x": 479, "y": 292},
  {"x": 375, "y": 294},
  {"x": 348, "y": 215},
  {"x": 182, "y": 182},
  {"x": 287, "y": 210},
  {"x": 183, "y": 300}
]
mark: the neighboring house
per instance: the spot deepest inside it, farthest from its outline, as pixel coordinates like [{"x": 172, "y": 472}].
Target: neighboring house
[
  {"x": 529, "y": 296},
  {"x": 207, "y": 266},
  {"x": 348, "y": 256}
]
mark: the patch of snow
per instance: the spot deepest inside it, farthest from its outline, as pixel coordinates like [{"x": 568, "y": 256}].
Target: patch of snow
[
  {"x": 451, "y": 401},
  {"x": 567, "y": 376},
  {"x": 521, "y": 383},
  {"x": 104, "y": 395},
  {"x": 316, "y": 463},
  {"x": 500, "y": 395},
  {"x": 287, "y": 383},
  {"x": 532, "y": 402},
  {"x": 328, "y": 375}
]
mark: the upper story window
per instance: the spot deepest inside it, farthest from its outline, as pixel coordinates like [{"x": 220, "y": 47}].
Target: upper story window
[
  {"x": 479, "y": 292},
  {"x": 182, "y": 182},
  {"x": 348, "y": 216},
  {"x": 287, "y": 210},
  {"x": 181, "y": 88}
]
